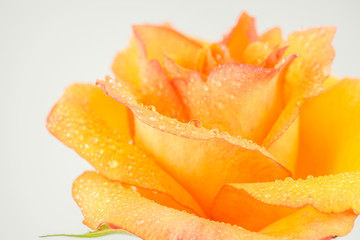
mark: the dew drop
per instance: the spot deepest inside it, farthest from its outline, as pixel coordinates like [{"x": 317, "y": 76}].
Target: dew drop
[
  {"x": 152, "y": 108},
  {"x": 113, "y": 164},
  {"x": 217, "y": 83},
  {"x": 289, "y": 179},
  {"x": 215, "y": 131},
  {"x": 195, "y": 123},
  {"x": 219, "y": 105}
]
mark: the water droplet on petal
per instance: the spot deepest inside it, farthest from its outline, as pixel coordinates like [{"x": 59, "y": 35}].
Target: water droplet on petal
[
  {"x": 113, "y": 164},
  {"x": 152, "y": 108},
  {"x": 195, "y": 123},
  {"x": 289, "y": 179}
]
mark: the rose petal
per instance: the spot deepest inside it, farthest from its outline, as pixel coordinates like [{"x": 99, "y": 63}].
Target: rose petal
[
  {"x": 125, "y": 65},
  {"x": 255, "y": 53},
  {"x": 307, "y": 223},
  {"x": 192, "y": 154},
  {"x": 96, "y": 127},
  {"x": 174, "y": 70},
  {"x": 240, "y": 36},
  {"x": 275, "y": 57},
  {"x": 156, "y": 90},
  {"x": 212, "y": 55},
  {"x": 306, "y": 74},
  {"x": 286, "y": 149},
  {"x": 80, "y": 99},
  {"x": 241, "y": 99},
  {"x": 237, "y": 207},
  {"x": 328, "y": 194},
  {"x": 149, "y": 79},
  {"x": 330, "y": 130},
  {"x": 273, "y": 36},
  {"x": 157, "y": 41},
  {"x": 103, "y": 201}
]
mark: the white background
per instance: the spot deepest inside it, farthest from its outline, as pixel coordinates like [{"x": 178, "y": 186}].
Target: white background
[{"x": 46, "y": 45}]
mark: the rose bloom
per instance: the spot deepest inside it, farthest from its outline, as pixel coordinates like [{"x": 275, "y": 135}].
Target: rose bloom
[{"x": 246, "y": 138}]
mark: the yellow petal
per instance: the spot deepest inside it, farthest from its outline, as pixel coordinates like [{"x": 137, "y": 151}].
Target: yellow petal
[
  {"x": 241, "y": 35},
  {"x": 274, "y": 200},
  {"x": 159, "y": 41},
  {"x": 103, "y": 201},
  {"x": 193, "y": 155},
  {"x": 286, "y": 149},
  {"x": 306, "y": 74},
  {"x": 330, "y": 131},
  {"x": 308, "y": 223},
  {"x": 256, "y": 52},
  {"x": 125, "y": 65},
  {"x": 96, "y": 127},
  {"x": 273, "y": 36},
  {"x": 81, "y": 99},
  {"x": 157, "y": 91}
]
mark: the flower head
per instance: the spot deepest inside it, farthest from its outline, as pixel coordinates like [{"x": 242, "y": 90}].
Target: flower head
[{"x": 189, "y": 136}]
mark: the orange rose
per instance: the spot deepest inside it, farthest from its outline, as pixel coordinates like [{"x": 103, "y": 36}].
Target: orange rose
[{"x": 191, "y": 135}]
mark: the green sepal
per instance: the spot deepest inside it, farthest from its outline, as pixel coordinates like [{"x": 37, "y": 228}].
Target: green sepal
[{"x": 103, "y": 230}]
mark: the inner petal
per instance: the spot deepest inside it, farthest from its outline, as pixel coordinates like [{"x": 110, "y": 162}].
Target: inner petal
[{"x": 241, "y": 99}]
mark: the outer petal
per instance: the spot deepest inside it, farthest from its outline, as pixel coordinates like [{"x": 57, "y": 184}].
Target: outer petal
[
  {"x": 96, "y": 127},
  {"x": 103, "y": 201},
  {"x": 241, "y": 35},
  {"x": 86, "y": 99},
  {"x": 329, "y": 194},
  {"x": 306, "y": 74},
  {"x": 309, "y": 224},
  {"x": 330, "y": 131},
  {"x": 241, "y": 99},
  {"x": 193, "y": 155}
]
